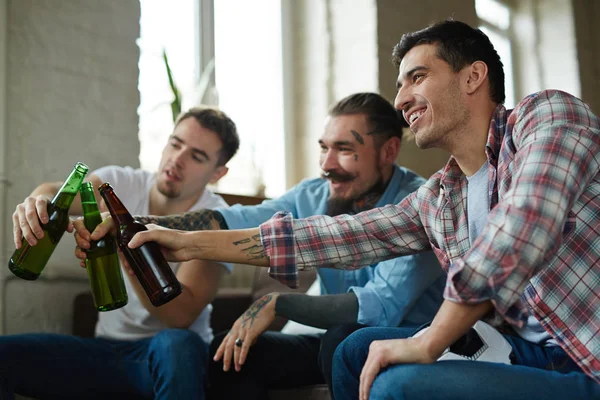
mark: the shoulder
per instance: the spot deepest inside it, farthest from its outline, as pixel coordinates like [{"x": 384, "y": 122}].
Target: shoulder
[
  {"x": 410, "y": 179},
  {"x": 209, "y": 200},
  {"x": 131, "y": 184},
  {"x": 404, "y": 181},
  {"x": 116, "y": 172},
  {"x": 313, "y": 187},
  {"x": 552, "y": 106}
]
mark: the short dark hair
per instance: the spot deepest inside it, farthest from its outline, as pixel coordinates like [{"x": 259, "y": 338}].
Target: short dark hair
[
  {"x": 218, "y": 122},
  {"x": 459, "y": 45},
  {"x": 385, "y": 120}
]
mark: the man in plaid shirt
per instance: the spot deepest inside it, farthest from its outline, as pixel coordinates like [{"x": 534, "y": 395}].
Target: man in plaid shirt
[{"x": 514, "y": 217}]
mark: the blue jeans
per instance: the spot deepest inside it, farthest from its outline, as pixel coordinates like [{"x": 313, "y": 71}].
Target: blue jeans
[
  {"x": 170, "y": 365},
  {"x": 538, "y": 373}
]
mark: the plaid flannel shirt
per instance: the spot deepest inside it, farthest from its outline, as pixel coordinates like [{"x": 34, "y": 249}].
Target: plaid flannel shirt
[{"x": 539, "y": 251}]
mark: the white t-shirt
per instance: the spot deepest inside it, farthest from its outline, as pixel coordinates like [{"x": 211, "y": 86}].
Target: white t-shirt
[{"x": 133, "y": 321}]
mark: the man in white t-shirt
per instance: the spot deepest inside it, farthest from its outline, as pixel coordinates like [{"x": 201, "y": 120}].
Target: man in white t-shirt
[{"x": 140, "y": 351}]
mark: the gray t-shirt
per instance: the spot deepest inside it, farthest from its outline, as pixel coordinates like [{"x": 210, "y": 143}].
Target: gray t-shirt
[
  {"x": 133, "y": 321},
  {"x": 478, "y": 208}
]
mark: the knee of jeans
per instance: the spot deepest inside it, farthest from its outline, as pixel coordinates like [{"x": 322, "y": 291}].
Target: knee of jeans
[
  {"x": 176, "y": 342},
  {"x": 404, "y": 382},
  {"x": 356, "y": 342}
]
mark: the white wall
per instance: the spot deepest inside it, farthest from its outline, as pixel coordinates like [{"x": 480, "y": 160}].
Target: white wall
[{"x": 71, "y": 95}]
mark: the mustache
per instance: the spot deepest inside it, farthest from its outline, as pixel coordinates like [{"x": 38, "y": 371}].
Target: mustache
[{"x": 338, "y": 177}]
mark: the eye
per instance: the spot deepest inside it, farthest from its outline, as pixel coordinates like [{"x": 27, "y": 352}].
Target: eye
[
  {"x": 417, "y": 78},
  {"x": 175, "y": 145},
  {"x": 346, "y": 149},
  {"x": 199, "y": 159}
]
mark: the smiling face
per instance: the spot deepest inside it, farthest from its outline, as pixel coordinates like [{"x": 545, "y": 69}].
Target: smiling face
[
  {"x": 430, "y": 97},
  {"x": 189, "y": 161},
  {"x": 349, "y": 157}
]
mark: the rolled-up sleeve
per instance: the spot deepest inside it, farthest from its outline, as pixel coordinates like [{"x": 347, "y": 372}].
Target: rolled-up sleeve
[{"x": 277, "y": 238}]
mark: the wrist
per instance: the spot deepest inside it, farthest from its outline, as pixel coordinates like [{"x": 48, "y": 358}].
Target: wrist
[
  {"x": 273, "y": 303},
  {"x": 431, "y": 345}
]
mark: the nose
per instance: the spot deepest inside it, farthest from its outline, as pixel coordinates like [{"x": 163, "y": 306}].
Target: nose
[
  {"x": 179, "y": 158},
  {"x": 403, "y": 99},
  {"x": 329, "y": 161}
]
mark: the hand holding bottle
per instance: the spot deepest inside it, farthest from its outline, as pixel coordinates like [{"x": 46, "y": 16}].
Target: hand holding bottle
[
  {"x": 83, "y": 237},
  {"x": 28, "y": 219},
  {"x": 175, "y": 245},
  {"x": 28, "y": 260}
]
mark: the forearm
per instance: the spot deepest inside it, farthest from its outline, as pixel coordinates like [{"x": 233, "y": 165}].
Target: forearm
[
  {"x": 451, "y": 322},
  {"x": 48, "y": 189},
  {"x": 318, "y": 311},
  {"x": 190, "y": 221},
  {"x": 236, "y": 246}
]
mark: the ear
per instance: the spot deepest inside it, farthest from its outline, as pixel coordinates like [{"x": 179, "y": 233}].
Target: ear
[
  {"x": 220, "y": 172},
  {"x": 389, "y": 150},
  {"x": 476, "y": 75}
]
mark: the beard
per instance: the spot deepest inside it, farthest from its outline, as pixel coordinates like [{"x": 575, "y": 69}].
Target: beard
[
  {"x": 358, "y": 203},
  {"x": 167, "y": 190}
]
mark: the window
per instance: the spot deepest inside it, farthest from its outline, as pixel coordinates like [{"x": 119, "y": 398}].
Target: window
[
  {"x": 494, "y": 21},
  {"x": 249, "y": 81},
  {"x": 247, "y": 42}
]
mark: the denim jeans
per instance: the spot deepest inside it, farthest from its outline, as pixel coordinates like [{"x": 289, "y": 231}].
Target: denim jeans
[
  {"x": 538, "y": 373},
  {"x": 170, "y": 365},
  {"x": 277, "y": 361}
]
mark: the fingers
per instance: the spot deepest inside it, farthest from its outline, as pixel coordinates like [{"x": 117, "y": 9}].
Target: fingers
[
  {"x": 103, "y": 229},
  {"x": 375, "y": 361},
  {"x": 142, "y": 237},
  {"x": 163, "y": 236},
  {"x": 367, "y": 376},
  {"x": 242, "y": 352},
  {"x": 81, "y": 255},
  {"x": 220, "y": 350},
  {"x": 41, "y": 208},
  {"x": 125, "y": 264},
  {"x": 22, "y": 228},
  {"x": 228, "y": 352},
  {"x": 17, "y": 233}
]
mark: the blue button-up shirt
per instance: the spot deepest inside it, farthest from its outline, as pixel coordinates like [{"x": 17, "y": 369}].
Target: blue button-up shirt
[{"x": 402, "y": 290}]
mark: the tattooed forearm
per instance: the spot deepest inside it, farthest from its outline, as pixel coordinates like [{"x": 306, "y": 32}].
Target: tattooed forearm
[
  {"x": 251, "y": 314},
  {"x": 357, "y": 136},
  {"x": 190, "y": 221},
  {"x": 254, "y": 251}
]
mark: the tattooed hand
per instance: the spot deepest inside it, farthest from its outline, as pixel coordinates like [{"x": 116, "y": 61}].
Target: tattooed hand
[{"x": 248, "y": 327}]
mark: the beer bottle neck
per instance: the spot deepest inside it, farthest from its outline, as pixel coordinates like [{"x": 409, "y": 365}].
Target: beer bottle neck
[
  {"x": 91, "y": 213},
  {"x": 117, "y": 210},
  {"x": 66, "y": 194}
]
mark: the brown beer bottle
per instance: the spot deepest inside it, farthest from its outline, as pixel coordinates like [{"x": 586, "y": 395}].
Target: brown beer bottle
[{"x": 148, "y": 263}]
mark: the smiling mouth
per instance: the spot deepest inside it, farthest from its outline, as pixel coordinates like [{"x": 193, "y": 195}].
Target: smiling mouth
[{"x": 414, "y": 117}]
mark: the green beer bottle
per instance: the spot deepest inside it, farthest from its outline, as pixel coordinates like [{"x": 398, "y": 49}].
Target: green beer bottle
[
  {"x": 29, "y": 261},
  {"x": 102, "y": 262}
]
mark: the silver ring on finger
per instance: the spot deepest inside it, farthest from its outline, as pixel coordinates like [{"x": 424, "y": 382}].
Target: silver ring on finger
[{"x": 239, "y": 342}]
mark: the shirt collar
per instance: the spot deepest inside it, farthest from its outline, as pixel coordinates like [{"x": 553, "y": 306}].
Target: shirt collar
[
  {"x": 451, "y": 173},
  {"x": 392, "y": 188}
]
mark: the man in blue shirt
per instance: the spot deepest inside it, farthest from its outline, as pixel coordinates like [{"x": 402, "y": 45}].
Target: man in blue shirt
[{"x": 361, "y": 141}]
